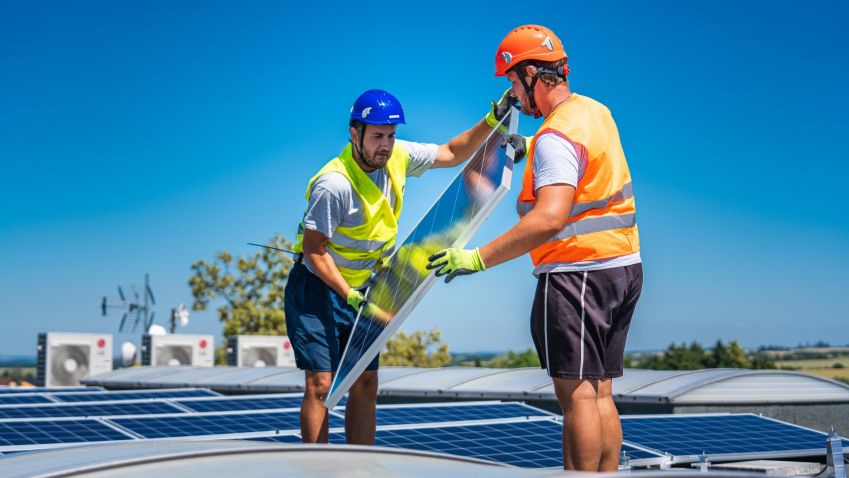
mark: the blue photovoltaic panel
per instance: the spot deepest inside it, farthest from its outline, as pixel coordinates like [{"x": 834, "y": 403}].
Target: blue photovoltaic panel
[
  {"x": 683, "y": 436},
  {"x": 528, "y": 444},
  {"x": 454, "y": 413},
  {"x": 57, "y": 431},
  {"x": 233, "y": 404},
  {"x": 87, "y": 410},
  {"x": 197, "y": 425},
  {"x": 15, "y": 399},
  {"x": 450, "y": 222},
  {"x": 97, "y": 396},
  {"x": 47, "y": 389}
]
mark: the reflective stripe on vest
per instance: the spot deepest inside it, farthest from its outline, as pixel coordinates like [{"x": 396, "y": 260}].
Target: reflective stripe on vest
[
  {"x": 357, "y": 250},
  {"x": 602, "y": 220}
]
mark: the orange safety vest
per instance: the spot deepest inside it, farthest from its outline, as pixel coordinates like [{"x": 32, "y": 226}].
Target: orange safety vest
[{"x": 602, "y": 223}]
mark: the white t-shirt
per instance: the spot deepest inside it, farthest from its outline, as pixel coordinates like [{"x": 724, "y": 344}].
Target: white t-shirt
[
  {"x": 557, "y": 162},
  {"x": 334, "y": 203}
]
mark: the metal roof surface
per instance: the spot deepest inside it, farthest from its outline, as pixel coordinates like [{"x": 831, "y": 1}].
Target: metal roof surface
[{"x": 721, "y": 386}]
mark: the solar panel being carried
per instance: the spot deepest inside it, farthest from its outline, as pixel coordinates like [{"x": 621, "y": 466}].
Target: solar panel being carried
[{"x": 395, "y": 290}]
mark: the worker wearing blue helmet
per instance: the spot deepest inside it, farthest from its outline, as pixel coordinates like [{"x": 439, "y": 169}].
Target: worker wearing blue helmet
[{"x": 348, "y": 230}]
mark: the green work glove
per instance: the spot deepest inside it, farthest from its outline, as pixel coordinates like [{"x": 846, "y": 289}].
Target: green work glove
[
  {"x": 455, "y": 262},
  {"x": 500, "y": 109},
  {"x": 355, "y": 298}
]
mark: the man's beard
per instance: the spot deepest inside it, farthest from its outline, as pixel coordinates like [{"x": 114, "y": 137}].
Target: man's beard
[{"x": 373, "y": 162}]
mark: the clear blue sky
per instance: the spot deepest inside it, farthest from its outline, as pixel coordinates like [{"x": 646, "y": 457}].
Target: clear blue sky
[{"x": 141, "y": 136}]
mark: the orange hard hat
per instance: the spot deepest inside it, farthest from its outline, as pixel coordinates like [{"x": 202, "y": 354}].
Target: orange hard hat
[{"x": 528, "y": 42}]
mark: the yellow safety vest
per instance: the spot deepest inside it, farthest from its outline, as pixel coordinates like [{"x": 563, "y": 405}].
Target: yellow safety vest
[{"x": 358, "y": 250}]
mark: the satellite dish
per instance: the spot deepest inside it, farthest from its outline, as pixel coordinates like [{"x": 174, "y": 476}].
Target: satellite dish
[
  {"x": 128, "y": 353},
  {"x": 157, "y": 329},
  {"x": 183, "y": 315}
]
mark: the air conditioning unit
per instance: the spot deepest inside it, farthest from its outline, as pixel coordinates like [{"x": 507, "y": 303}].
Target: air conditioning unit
[
  {"x": 178, "y": 349},
  {"x": 260, "y": 350},
  {"x": 65, "y": 358}
]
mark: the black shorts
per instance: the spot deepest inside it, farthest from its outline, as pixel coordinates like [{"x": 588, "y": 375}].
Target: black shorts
[{"x": 580, "y": 320}]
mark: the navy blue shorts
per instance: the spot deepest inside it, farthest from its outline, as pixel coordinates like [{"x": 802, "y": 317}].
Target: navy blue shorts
[{"x": 318, "y": 320}]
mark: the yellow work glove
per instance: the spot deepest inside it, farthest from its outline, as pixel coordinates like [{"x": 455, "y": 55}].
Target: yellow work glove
[
  {"x": 455, "y": 262},
  {"x": 355, "y": 298},
  {"x": 500, "y": 109}
]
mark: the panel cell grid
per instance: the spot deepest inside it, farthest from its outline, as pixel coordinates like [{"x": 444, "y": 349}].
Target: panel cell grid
[
  {"x": 15, "y": 399},
  {"x": 88, "y": 410},
  {"x": 65, "y": 431},
  {"x": 199, "y": 425},
  {"x": 47, "y": 389},
  {"x": 454, "y": 413},
  {"x": 230, "y": 404},
  {"x": 719, "y": 435},
  {"x": 98, "y": 396}
]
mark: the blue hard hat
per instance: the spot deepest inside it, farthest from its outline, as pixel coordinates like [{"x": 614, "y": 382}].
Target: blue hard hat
[{"x": 377, "y": 107}]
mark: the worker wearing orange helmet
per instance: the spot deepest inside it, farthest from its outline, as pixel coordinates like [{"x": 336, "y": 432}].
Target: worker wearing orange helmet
[{"x": 578, "y": 221}]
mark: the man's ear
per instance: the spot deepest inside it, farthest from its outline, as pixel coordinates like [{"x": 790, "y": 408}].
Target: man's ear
[{"x": 530, "y": 70}]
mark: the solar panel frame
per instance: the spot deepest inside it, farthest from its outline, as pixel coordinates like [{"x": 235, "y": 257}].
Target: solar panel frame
[
  {"x": 455, "y": 412},
  {"x": 15, "y": 399},
  {"x": 166, "y": 393},
  {"x": 215, "y": 404},
  {"x": 4, "y": 390},
  {"x": 89, "y": 409},
  {"x": 695, "y": 453}
]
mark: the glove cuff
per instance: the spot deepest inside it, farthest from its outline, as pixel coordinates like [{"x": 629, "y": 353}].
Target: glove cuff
[
  {"x": 491, "y": 120},
  {"x": 479, "y": 260}
]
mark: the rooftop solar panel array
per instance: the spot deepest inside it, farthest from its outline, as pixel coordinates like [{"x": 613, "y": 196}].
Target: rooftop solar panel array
[{"x": 510, "y": 433}]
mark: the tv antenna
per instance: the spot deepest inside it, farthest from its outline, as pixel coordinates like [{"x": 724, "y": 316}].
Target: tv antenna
[
  {"x": 181, "y": 315},
  {"x": 139, "y": 305}
]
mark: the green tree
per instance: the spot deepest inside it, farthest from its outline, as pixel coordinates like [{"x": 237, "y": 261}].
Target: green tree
[
  {"x": 511, "y": 359},
  {"x": 413, "y": 350},
  {"x": 249, "y": 293}
]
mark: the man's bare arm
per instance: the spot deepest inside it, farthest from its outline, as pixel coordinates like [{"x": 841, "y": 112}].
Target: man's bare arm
[{"x": 315, "y": 250}]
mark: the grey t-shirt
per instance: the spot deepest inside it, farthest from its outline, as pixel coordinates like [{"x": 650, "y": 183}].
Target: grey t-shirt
[
  {"x": 557, "y": 162},
  {"x": 333, "y": 201}
]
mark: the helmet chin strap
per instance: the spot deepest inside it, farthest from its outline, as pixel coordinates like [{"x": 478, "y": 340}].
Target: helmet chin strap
[
  {"x": 358, "y": 149},
  {"x": 562, "y": 72}
]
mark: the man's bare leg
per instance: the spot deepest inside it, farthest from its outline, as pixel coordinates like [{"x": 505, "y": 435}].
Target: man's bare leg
[
  {"x": 360, "y": 418},
  {"x": 582, "y": 443},
  {"x": 611, "y": 427},
  {"x": 313, "y": 413}
]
